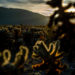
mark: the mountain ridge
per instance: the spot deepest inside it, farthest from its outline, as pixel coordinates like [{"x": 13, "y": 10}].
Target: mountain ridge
[{"x": 20, "y": 16}]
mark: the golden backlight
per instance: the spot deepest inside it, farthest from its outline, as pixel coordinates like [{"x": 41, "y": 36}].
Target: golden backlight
[{"x": 72, "y": 9}]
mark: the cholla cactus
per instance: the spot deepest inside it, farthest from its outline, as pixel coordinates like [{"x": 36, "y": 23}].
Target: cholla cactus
[
  {"x": 62, "y": 20},
  {"x": 50, "y": 56}
]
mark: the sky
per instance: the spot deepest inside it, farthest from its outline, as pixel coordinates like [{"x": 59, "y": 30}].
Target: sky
[{"x": 37, "y": 6}]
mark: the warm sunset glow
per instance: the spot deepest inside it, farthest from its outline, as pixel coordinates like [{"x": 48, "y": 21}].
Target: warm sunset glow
[
  {"x": 72, "y": 9},
  {"x": 38, "y": 65}
]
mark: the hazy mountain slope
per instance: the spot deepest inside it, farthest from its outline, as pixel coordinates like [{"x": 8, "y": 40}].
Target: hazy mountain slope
[{"x": 19, "y": 16}]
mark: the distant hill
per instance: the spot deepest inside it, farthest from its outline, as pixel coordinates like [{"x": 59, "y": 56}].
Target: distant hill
[{"x": 19, "y": 16}]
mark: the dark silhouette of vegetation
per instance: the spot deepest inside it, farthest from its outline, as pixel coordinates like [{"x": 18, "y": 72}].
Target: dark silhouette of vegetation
[
  {"x": 65, "y": 29},
  {"x": 61, "y": 28}
]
